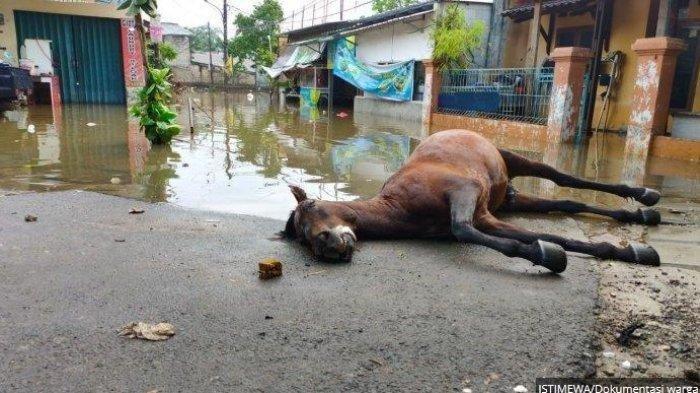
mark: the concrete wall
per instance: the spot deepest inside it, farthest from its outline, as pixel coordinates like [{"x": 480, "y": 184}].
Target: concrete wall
[
  {"x": 410, "y": 111},
  {"x": 181, "y": 43},
  {"x": 395, "y": 42},
  {"x": 8, "y": 32}
]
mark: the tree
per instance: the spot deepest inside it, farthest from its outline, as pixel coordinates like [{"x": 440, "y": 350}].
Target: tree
[
  {"x": 199, "y": 41},
  {"x": 454, "y": 40},
  {"x": 256, "y": 34},
  {"x": 155, "y": 117},
  {"x": 387, "y": 5}
]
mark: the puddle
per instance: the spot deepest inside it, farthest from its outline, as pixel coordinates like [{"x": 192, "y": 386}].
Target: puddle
[{"x": 244, "y": 152}]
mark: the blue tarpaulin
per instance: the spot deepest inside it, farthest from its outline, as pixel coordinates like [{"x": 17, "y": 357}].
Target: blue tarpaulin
[{"x": 393, "y": 82}]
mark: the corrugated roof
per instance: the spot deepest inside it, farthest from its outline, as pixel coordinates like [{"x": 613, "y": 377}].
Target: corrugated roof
[
  {"x": 526, "y": 11},
  {"x": 170, "y": 28}
]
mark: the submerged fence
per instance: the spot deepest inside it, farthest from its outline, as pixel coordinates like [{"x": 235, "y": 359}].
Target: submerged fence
[{"x": 520, "y": 94}]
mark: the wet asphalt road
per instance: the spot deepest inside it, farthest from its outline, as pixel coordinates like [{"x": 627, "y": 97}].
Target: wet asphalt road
[{"x": 403, "y": 316}]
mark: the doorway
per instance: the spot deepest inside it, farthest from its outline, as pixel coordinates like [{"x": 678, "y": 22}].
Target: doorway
[{"x": 85, "y": 52}]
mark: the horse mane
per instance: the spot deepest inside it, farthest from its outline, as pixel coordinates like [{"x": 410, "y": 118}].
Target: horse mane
[{"x": 289, "y": 231}]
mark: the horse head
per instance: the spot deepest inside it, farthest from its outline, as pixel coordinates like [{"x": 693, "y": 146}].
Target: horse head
[{"x": 324, "y": 226}]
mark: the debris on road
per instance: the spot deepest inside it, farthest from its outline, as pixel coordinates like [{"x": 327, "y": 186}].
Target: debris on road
[
  {"x": 136, "y": 211},
  {"x": 115, "y": 180},
  {"x": 30, "y": 218},
  {"x": 491, "y": 378},
  {"x": 626, "y": 336},
  {"x": 120, "y": 240},
  {"x": 520, "y": 389},
  {"x": 31, "y": 129},
  {"x": 626, "y": 365},
  {"x": 146, "y": 331},
  {"x": 270, "y": 268},
  {"x": 90, "y": 124}
]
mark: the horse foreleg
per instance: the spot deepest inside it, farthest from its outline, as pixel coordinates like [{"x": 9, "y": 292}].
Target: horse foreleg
[
  {"x": 520, "y": 166},
  {"x": 634, "y": 253},
  {"x": 463, "y": 205},
  {"x": 517, "y": 202}
]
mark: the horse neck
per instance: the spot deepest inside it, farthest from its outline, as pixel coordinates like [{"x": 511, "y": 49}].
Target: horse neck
[{"x": 375, "y": 217}]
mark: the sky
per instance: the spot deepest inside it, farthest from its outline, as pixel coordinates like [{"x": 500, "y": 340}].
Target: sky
[{"x": 192, "y": 13}]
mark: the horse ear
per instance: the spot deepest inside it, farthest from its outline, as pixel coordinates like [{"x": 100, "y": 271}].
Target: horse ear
[{"x": 299, "y": 194}]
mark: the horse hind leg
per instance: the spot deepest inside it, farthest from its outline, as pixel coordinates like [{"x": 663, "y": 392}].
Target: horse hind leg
[
  {"x": 634, "y": 253},
  {"x": 464, "y": 203},
  {"x": 517, "y": 202},
  {"x": 520, "y": 166}
]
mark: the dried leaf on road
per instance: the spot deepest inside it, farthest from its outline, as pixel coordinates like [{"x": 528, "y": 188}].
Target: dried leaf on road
[
  {"x": 146, "y": 331},
  {"x": 136, "y": 211},
  {"x": 30, "y": 218}
]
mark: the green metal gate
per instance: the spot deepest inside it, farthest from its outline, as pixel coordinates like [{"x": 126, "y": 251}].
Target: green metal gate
[{"x": 86, "y": 53}]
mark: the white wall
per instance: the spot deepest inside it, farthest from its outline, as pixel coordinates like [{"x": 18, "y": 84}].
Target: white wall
[
  {"x": 396, "y": 42},
  {"x": 410, "y": 39}
]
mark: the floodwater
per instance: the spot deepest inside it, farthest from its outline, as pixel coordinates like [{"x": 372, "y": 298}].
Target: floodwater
[{"x": 245, "y": 150}]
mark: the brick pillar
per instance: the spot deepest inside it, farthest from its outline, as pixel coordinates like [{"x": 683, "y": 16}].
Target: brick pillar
[
  {"x": 565, "y": 101},
  {"x": 656, "y": 64},
  {"x": 431, "y": 91},
  {"x": 134, "y": 75}
]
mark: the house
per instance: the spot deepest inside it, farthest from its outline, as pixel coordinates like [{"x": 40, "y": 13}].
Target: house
[
  {"x": 609, "y": 28},
  {"x": 393, "y": 44},
  {"x": 569, "y": 67},
  {"x": 179, "y": 38},
  {"x": 201, "y": 61},
  {"x": 87, "y": 51}
]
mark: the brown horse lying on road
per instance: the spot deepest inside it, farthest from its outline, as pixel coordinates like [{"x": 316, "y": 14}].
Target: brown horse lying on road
[{"x": 451, "y": 186}]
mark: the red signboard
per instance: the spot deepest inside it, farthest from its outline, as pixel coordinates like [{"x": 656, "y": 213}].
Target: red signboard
[{"x": 131, "y": 53}]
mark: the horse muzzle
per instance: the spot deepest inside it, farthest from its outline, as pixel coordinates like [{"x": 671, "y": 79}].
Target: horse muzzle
[{"x": 336, "y": 247}]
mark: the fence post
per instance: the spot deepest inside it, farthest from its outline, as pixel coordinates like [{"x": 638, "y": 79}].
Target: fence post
[
  {"x": 565, "y": 100},
  {"x": 431, "y": 90}
]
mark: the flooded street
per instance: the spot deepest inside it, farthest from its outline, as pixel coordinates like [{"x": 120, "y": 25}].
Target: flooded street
[
  {"x": 245, "y": 150},
  {"x": 400, "y": 310}
]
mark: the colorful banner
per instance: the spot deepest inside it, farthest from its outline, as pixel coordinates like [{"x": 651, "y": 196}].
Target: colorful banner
[
  {"x": 309, "y": 96},
  {"x": 392, "y": 82}
]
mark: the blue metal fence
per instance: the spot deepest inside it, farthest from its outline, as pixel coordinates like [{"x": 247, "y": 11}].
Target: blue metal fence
[{"x": 520, "y": 94}]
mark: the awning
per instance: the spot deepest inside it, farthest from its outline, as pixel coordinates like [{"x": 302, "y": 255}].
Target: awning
[
  {"x": 296, "y": 56},
  {"x": 525, "y": 12}
]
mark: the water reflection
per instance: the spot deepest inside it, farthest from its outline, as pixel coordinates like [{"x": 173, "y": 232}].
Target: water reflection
[{"x": 244, "y": 152}]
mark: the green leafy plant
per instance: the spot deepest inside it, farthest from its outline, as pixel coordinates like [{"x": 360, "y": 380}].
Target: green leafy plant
[
  {"x": 155, "y": 118},
  {"x": 454, "y": 40},
  {"x": 134, "y": 7},
  {"x": 388, "y": 5},
  {"x": 167, "y": 54}
]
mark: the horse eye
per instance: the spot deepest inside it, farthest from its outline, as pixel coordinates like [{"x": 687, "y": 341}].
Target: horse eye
[{"x": 323, "y": 235}]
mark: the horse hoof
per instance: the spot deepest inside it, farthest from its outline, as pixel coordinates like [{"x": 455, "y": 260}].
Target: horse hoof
[
  {"x": 645, "y": 255},
  {"x": 650, "y": 197},
  {"x": 552, "y": 256},
  {"x": 649, "y": 216}
]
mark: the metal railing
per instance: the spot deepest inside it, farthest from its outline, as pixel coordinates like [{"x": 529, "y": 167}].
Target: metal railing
[{"x": 520, "y": 94}]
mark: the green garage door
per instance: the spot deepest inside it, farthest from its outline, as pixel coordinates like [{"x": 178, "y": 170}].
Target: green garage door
[{"x": 86, "y": 54}]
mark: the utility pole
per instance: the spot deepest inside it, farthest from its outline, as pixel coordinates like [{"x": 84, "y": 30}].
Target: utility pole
[
  {"x": 224, "y": 16},
  {"x": 211, "y": 66}
]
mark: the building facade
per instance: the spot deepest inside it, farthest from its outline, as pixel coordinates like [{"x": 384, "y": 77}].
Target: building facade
[{"x": 90, "y": 47}]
